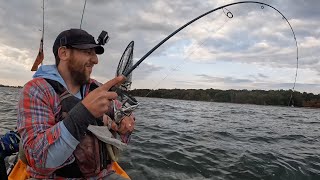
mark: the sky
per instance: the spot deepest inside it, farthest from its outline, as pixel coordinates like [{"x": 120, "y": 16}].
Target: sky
[{"x": 253, "y": 50}]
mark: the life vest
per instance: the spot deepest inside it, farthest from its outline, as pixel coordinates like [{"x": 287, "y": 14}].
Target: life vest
[{"x": 91, "y": 154}]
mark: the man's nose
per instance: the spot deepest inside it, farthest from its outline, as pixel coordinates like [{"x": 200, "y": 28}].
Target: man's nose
[{"x": 95, "y": 59}]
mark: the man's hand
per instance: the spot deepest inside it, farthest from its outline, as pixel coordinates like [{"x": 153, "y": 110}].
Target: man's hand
[
  {"x": 127, "y": 124},
  {"x": 99, "y": 100}
]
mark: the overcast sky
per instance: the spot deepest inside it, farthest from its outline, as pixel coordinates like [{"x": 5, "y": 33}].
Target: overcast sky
[{"x": 253, "y": 50}]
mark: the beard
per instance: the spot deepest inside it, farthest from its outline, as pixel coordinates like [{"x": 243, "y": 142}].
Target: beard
[{"x": 78, "y": 72}]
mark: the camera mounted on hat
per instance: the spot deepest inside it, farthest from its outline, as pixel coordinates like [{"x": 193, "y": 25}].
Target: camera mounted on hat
[
  {"x": 80, "y": 39},
  {"x": 103, "y": 38}
]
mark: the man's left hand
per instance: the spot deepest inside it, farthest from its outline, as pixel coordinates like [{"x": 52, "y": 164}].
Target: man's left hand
[{"x": 126, "y": 125}]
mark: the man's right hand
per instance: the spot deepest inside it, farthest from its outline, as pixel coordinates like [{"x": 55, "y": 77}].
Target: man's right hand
[{"x": 99, "y": 100}]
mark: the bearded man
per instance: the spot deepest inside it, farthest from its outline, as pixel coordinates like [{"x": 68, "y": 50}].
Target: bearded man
[{"x": 59, "y": 103}]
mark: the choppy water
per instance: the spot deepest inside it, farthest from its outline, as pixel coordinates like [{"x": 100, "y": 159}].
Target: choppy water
[
  {"x": 8, "y": 108},
  {"x": 177, "y": 139}
]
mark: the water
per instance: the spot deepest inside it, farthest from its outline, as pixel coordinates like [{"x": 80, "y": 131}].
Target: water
[
  {"x": 8, "y": 108},
  {"x": 177, "y": 139}
]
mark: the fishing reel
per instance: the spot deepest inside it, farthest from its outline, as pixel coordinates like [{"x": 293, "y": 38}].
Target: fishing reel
[
  {"x": 125, "y": 105},
  {"x": 103, "y": 38}
]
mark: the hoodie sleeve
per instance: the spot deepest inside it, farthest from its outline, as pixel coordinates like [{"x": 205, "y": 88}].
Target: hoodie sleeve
[{"x": 42, "y": 136}]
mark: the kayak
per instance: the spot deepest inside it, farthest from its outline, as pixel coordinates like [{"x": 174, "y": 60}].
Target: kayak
[
  {"x": 19, "y": 172},
  {"x": 12, "y": 167}
]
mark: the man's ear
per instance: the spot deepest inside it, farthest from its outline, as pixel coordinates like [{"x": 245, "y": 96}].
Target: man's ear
[{"x": 63, "y": 53}]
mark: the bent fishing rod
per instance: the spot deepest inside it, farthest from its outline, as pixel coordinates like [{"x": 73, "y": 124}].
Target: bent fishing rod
[
  {"x": 126, "y": 73},
  {"x": 132, "y": 101}
]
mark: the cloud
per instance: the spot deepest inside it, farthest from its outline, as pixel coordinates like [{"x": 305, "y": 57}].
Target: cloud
[
  {"x": 228, "y": 80},
  {"x": 262, "y": 75},
  {"x": 254, "y": 36}
]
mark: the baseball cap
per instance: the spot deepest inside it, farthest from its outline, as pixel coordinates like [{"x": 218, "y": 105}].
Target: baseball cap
[{"x": 76, "y": 38}]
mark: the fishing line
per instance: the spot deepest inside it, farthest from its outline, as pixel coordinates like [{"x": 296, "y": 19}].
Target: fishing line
[
  {"x": 201, "y": 44},
  {"x": 84, "y": 7},
  {"x": 197, "y": 18},
  {"x": 229, "y": 15}
]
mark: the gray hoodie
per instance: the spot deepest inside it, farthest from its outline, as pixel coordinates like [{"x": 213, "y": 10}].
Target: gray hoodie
[{"x": 51, "y": 72}]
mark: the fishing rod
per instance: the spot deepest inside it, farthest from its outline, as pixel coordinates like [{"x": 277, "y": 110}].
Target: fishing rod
[
  {"x": 84, "y": 8},
  {"x": 40, "y": 56},
  {"x": 230, "y": 15},
  {"x": 129, "y": 101},
  {"x": 42, "y": 37}
]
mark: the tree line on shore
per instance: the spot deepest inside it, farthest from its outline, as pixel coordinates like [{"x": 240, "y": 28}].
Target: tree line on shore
[
  {"x": 259, "y": 97},
  {"x": 1, "y": 85}
]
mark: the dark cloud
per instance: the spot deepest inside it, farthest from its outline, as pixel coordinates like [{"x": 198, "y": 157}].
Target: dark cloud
[
  {"x": 229, "y": 80},
  {"x": 307, "y": 10},
  {"x": 262, "y": 75}
]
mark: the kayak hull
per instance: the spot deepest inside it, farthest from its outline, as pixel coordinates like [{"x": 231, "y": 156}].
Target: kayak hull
[{"x": 19, "y": 172}]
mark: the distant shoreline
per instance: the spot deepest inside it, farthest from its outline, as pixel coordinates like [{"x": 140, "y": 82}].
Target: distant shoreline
[
  {"x": 258, "y": 97},
  {"x": 1, "y": 85}
]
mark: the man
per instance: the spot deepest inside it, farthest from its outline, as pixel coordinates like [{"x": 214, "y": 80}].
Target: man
[{"x": 57, "y": 106}]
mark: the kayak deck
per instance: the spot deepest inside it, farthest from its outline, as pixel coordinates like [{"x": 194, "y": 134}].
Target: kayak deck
[{"x": 19, "y": 172}]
